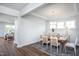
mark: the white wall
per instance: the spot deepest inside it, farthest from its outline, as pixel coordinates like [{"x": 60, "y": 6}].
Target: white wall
[
  {"x": 77, "y": 29},
  {"x": 28, "y": 30},
  {"x": 2, "y": 29}
]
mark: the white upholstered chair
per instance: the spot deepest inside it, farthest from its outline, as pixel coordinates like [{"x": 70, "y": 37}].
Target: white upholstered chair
[
  {"x": 41, "y": 39},
  {"x": 72, "y": 45},
  {"x": 45, "y": 40},
  {"x": 68, "y": 37},
  {"x": 54, "y": 42}
]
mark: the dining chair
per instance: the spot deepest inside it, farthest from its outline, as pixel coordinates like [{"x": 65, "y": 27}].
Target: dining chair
[
  {"x": 41, "y": 39},
  {"x": 45, "y": 40},
  {"x": 68, "y": 37},
  {"x": 72, "y": 45},
  {"x": 54, "y": 42}
]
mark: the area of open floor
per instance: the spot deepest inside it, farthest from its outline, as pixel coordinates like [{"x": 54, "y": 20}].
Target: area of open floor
[
  {"x": 7, "y": 48},
  {"x": 70, "y": 51}
]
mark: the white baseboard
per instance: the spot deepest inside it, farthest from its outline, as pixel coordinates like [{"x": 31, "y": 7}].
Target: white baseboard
[{"x": 21, "y": 45}]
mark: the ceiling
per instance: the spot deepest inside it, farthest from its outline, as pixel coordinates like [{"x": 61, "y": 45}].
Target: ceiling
[
  {"x": 54, "y": 10},
  {"x": 47, "y": 11},
  {"x": 16, "y": 6},
  {"x": 9, "y": 11}
]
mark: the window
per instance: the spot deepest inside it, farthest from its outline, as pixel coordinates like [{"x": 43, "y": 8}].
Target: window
[
  {"x": 52, "y": 25},
  {"x": 9, "y": 28},
  {"x": 70, "y": 24},
  {"x": 60, "y": 25}
]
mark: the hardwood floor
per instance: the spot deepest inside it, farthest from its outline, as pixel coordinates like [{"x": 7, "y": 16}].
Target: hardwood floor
[
  {"x": 7, "y": 48},
  {"x": 30, "y": 51}
]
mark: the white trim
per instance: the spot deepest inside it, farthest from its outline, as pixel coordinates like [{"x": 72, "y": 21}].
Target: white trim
[
  {"x": 34, "y": 14},
  {"x": 8, "y": 11},
  {"x": 21, "y": 45},
  {"x": 30, "y": 7}
]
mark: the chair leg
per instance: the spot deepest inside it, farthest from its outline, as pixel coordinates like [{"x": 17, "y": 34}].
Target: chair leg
[
  {"x": 75, "y": 51},
  {"x": 57, "y": 49},
  {"x": 50, "y": 48},
  {"x": 65, "y": 49},
  {"x": 47, "y": 46},
  {"x": 42, "y": 43}
]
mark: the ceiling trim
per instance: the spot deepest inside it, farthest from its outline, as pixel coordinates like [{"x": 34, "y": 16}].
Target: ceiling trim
[
  {"x": 34, "y": 14},
  {"x": 8, "y": 11},
  {"x": 29, "y": 8},
  {"x": 65, "y": 17}
]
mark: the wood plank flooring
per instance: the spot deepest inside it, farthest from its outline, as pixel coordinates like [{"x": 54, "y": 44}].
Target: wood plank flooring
[
  {"x": 30, "y": 51},
  {"x": 7, "y": 48}
]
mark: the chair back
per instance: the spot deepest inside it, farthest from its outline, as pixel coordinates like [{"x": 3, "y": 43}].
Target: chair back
[
  {"x": 68, "y": 38},
  {"x": 45, "y": 39},
  {"x": 52, "y": 34},
  {"x": 76, "y": 40},
  {"x": 54, "y": 41},
  {"x": 41, "y": 37}
]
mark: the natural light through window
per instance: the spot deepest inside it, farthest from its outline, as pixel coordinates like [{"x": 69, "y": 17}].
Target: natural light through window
[
  {"x": 9, "y": 28},
  {"x": 52, "y": 25},
  {"x": 62, "y": 25},
  {"x": 70, "y": 24}
]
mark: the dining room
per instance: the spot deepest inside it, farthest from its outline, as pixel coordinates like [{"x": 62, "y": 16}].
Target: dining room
[
  {"x": 51, "y": 28},
  {"x": 41, "y": 28},
  {"x": 61, "y": 38},
  {"x": 61, "y": 29}
]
